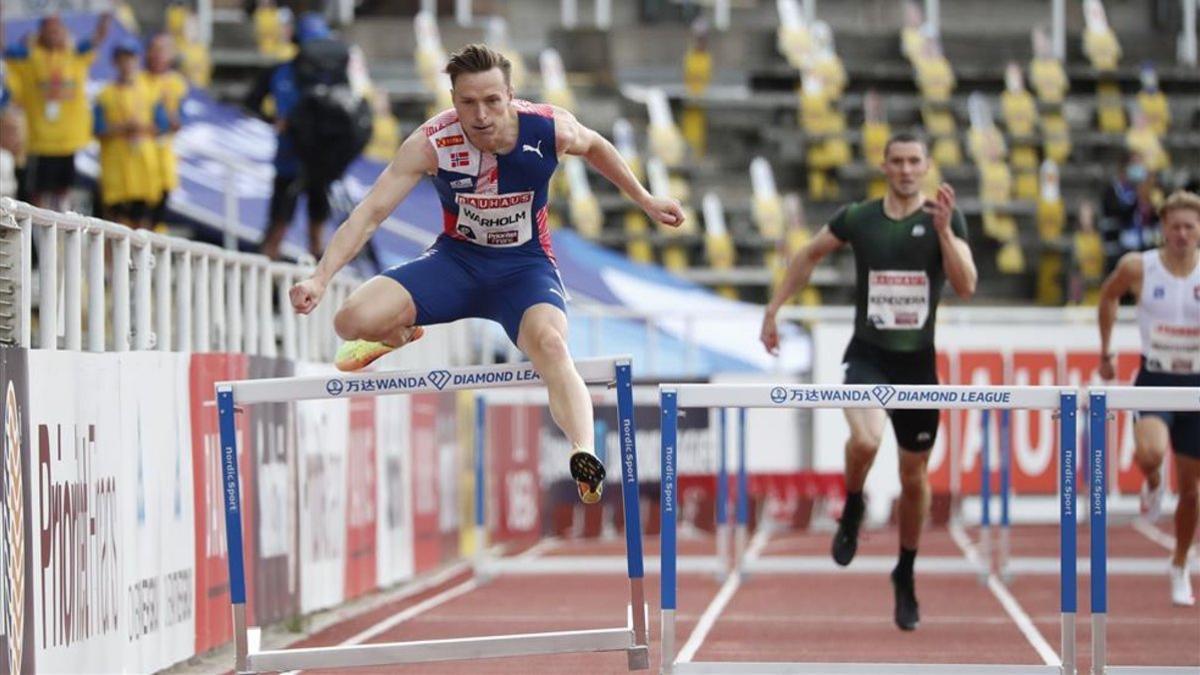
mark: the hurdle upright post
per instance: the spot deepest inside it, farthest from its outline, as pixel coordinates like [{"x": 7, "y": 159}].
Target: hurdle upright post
[
  {"x": 723, "y": 562},
  {"x": 233, "y": 523},
  {"x": 668, "y": 508},
  {"x": 481, "y": 537},
  {"x": 985, "y": 497},
  {"x": 1098, "y": 507},
  {"x": 743, "y": 496},
  {"x": 1067, "y": 528},
  {"x": 639, "y": 659},
  {"x": 1005, "y": 491}
]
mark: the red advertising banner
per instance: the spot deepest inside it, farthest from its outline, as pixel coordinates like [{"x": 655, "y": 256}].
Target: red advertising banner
[
  {"x": 513, "y": 488},
  {"x": 426, "y": 538},
  {"x": 213, "y": 618},
  {"x": 361, "y": 495}
]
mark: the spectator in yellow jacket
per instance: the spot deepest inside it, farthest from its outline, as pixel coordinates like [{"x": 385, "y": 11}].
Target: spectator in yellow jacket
[
  {"x": 49, "y": 73},
  {"x": 169, "y": 88},
  {"x": 127, "y": 118}
]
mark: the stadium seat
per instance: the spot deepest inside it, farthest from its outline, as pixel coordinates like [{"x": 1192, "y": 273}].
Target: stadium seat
[{"x": 719, "y": 250}]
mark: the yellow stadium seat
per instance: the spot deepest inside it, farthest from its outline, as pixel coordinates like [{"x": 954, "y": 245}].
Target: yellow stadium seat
[
  {"x": 694, "y": 122},
  {"x": 667, "y": 144},
  {"x": 795, "y": 43},
  {"x": 720, "y": 254},
  {"x": 1051, "y": 219},
  {"x": 767, "y": 213},
  {"x": 1049, "y": 80},
  {"x": 1110, "y": 109},
  {"x": 674, "y": 257},
  {"x": 1089, "y": 263},
  {"x": 1158, "y": 114},
  {"x": 1056, "y": 138},
  {"x": 995, "y": 183},
  {"x": 874, "y": 139},
  {"x": 1049, "y": 286},
  {"x": 1142, "y": 139},
  {"x": 586, "y": 215},
  {"x": 1000, "y": 227},
  {"x": 1020, "y": 113},
  {"x": 637, "y": 246},
  {"x": 1010, "y": 259},
  {"x": 1102, "y": 49},
  {"x": 935, "y": 78}
]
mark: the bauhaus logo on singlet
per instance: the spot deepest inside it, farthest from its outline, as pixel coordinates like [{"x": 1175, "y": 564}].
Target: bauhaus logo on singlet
[{"x": 496, "y": 220}]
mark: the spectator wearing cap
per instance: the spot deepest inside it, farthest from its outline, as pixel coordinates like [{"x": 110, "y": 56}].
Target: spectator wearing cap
[
  {"x": 169, "y": 88},
  {"x": 127, "y": 118},
  {"x": 49, "y": 74}
]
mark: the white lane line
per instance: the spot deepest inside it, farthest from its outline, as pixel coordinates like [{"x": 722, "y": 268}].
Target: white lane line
[
  {"x": 538, "y": 549},
  {"x": 1007, "y": 601},
  {"x": 714, "y": 609},
  {"x": 413, "y": 612}
]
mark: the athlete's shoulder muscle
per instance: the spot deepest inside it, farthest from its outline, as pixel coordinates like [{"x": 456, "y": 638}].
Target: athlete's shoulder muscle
[{"x": 415, "y": 154}]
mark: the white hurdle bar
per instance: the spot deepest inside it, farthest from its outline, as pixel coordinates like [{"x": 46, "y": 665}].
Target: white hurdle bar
[
  {"x": 633, "y": 638},
  {"x": 674, "y": 397},
  {"x": 1101, "y": 400}
]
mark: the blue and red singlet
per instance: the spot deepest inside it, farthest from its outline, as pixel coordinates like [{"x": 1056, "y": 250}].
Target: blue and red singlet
[{"x": 493, "y": 259}]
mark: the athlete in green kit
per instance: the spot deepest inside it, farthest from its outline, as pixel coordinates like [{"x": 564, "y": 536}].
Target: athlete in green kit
[{"x": 905, "y": 248}]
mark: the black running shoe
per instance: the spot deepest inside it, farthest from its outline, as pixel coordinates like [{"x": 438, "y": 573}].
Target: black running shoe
[
  {"x": 588, "y": 473},
  {"x": 845, "y": 540},
  {"x": 907, "y": 613}
]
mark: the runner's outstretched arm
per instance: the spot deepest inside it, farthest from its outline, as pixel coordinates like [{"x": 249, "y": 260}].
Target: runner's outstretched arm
[
  {"x": 572, "y": 138},
  {"x": 799, "y": 270},
  {"x": 413, "y": 160}
]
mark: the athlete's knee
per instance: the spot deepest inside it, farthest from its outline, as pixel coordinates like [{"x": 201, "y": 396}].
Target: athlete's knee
[
  {"x": 1148, "y": 457},
  {"x": 346, "y": 322},
  {"x": 863, "y": 444},
  {"x": 548, "y": 344},
  {"x": 352, "y": 322}
]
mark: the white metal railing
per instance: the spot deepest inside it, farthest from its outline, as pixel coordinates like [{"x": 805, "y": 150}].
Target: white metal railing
[{"x": 149, "y": 291}]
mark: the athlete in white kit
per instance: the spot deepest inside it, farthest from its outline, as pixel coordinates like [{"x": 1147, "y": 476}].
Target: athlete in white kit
[{"x": 1166, "y": 283}]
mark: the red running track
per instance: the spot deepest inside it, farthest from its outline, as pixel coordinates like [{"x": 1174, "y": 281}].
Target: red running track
[{"x": 818, "y": 617}]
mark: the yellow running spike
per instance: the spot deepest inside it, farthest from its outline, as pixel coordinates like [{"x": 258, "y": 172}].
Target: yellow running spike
[{"x": 358, "y": 354}]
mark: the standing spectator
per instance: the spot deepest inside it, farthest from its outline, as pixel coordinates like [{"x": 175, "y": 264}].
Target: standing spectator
[
  {"x": 322, "y": 126},
  {"x": 51, "y": 75},
  {"x": 127, "y": 118},
  {"x": 12, "y": 139},
  {"x": 1129, "y": 220},
  {"x": 169, "y": 88}
]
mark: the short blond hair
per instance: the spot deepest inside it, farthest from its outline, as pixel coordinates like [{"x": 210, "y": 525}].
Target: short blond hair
[
  {"x": 1179, "y": 199},
  {"x": 477, "y": 58}
]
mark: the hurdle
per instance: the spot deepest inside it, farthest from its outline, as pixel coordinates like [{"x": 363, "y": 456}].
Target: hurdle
[
  {"x": 1004, "y": 552},
  {"x": 674, "y": 397},
  {"x": 249, "y": 658},
  {"x": 1100, "y": 401}
]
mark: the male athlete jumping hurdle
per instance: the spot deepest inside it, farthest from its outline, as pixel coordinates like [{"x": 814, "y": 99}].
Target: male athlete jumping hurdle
[{"x": 490, "y": 158}]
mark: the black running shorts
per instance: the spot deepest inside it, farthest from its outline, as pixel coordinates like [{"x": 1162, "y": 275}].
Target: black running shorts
[
  {"x": 1184, "y": 426},
  {"x": 865, "y": 363}
]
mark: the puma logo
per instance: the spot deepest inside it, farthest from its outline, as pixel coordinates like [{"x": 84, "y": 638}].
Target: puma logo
[{"x": 530, "y": 148}]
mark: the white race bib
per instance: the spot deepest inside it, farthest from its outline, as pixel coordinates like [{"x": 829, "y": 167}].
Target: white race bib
[
  {"x": 1173, "y": 349},
  {"x": 498, "y": 221},
  {"x": 897, "y": 300}
]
